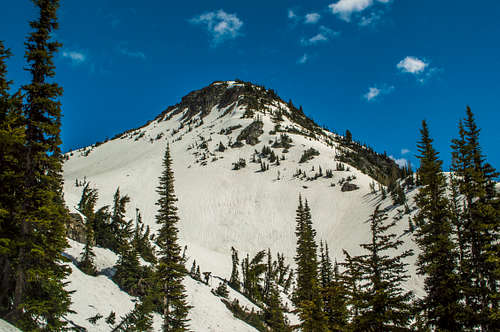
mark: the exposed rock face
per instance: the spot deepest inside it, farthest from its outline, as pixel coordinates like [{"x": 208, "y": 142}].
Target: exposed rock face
[
  {"x": 347, "y": 186},
  {"x": 76, "y": 228},
  {"x": 251, "y": 133}
]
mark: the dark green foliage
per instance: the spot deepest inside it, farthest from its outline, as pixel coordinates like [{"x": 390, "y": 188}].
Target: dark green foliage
[
  {"x": 380, "y": 301},
  {"x": 121, "y": 228},
  {"x": 241, "y": 163},
  {"x": 379, "y": 166},
  {"x": 111, "y": 319},
  {"x": 86, "y": 206},
  {"x": 333, "y": 292},
  {"x": 93, "y": 320},
  {"x": 35, "y": 297},
  {"x": 307, "y": 296},
  {"x": 234, "y": 281},
  {"x": 348, "y": 136},
  {"x": 12, "y": 138},
  {"x": 438, "y": 257},
  {"x": 308, "y": 155},
  {"x": 170, "y": 270},
  {"x": 476, "y": 220},
  {"x": 141, "y": 240},
  {"x": 140, "y": 319},
  {"x": 273, "y": 315},
  {"x": 252, "y": 271},
  {"x": 252, "y": 318},
  {"x": 222, "y": 290}
]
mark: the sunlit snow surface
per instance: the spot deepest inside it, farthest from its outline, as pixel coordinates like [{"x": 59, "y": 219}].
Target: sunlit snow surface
[{"x": 220, "y": 207}]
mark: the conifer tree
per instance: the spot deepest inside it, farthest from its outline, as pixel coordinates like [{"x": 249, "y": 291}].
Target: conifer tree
[
  {"x": 383, "y": 303},
  {"x": 170, "y": 270},
  {"x": 86, "y": 207},
  {"x": 438, "y": 257},
  {"x": 12, "y": 137},
  {"x": 234, "y": 281},
  {"x": 121, "y": 228},
  {"x": 39, "y": 298},
  {"x": 307, "y": 297},
  {"x": 273, "y": 312},
  {"x": 479, "y": 223},
  {"x": 333, "y": 292}
]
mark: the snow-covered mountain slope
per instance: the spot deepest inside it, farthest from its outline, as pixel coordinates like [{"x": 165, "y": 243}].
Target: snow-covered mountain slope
[{"x": 220, "y": 207}]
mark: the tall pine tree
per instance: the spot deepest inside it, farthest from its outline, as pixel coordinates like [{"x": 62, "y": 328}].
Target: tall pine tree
[
  {"x": 382, "y": 303},
  {"x": 478, "y": 217},
  {"x": 12, "y": 136},
  {"x": 170, "y": 269},
  {"x": 307, "y": 296},
  {"x": 39, "y": 300},
  {"x": 438, "y": 258}
]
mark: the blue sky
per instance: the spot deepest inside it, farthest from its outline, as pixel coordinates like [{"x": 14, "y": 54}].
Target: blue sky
[{"x": 375, "y": 67}]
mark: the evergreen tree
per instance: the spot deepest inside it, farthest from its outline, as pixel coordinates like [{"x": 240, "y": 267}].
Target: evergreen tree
[
  {"x": 234, "y": 281},
  {"x": 140, "y": 319},
  {"x": 12, "y": 138},
  {"x": 382, "y": 303},
  {"x": 86, "y": 207},
  {"x": 477, "y": 218},
  {"x": 273, "y": 312},
  {"x": 307, "y": 297},
  {"x": 438, "y": 258},
  {"x": 129, "y": 272},
  {"x": 39, "y": 300},
  {"x": 121, "y": 228},
  {"x": 87, "y": 260},
  {"x": 333, "y": 292},
  {"x": 170, "y": 270}
]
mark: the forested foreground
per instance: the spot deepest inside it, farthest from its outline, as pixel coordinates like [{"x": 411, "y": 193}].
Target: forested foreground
[{"x": 456, "y": 228}]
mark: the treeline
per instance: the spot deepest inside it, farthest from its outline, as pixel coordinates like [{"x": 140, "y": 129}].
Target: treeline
[{"x": 457, "y": 230}]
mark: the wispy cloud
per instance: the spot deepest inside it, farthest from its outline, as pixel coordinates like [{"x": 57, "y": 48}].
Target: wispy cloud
[
  {"x": 132, "y": 54},
  {"x": 375, "y": 92},
  {"x": 405, "y": 151},
  {"x": 220, "y": 25},
  {"x": 312, "y": 18},
  {"x": 344, "y": 9},
  {"x": 412, "y": 65},
  {"x": 76, "y": 57},
  {"x": 303, "y": 59},
  {"x": 291, "y": 14},
  {"x": 371, "y": 19},
  {"x": 325, "y": 34},
  {"x": 401, "y": 162}
]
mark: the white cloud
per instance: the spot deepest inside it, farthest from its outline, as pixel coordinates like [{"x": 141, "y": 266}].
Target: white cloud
[
  {"x": 374, "y": 92},
  {"x": 401, "y": 162},
  {"x": 345, "y": 8},
  {"x": 405, "y": 151},
  {"x": 220, "y": 25},
  {"x": 303, "y": 59},
  {"x": 324, "y": 34},
  {"x": 75, "y": 56},
  {"x": 291, "y": 14},
  {"x": 412, "y": 65},
  {"x": 312, "y": 18},
  {"x": 132, "y": 54}
]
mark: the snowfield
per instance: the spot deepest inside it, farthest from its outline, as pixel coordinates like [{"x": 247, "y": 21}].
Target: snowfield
[{"x": 219, "y": 207}]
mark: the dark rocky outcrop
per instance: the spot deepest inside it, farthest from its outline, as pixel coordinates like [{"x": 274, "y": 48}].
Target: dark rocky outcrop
[
  {"x": 347, "y": 186},
  {"x": 251, "y": 133},
  {"x": 76, "y": 228}
]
